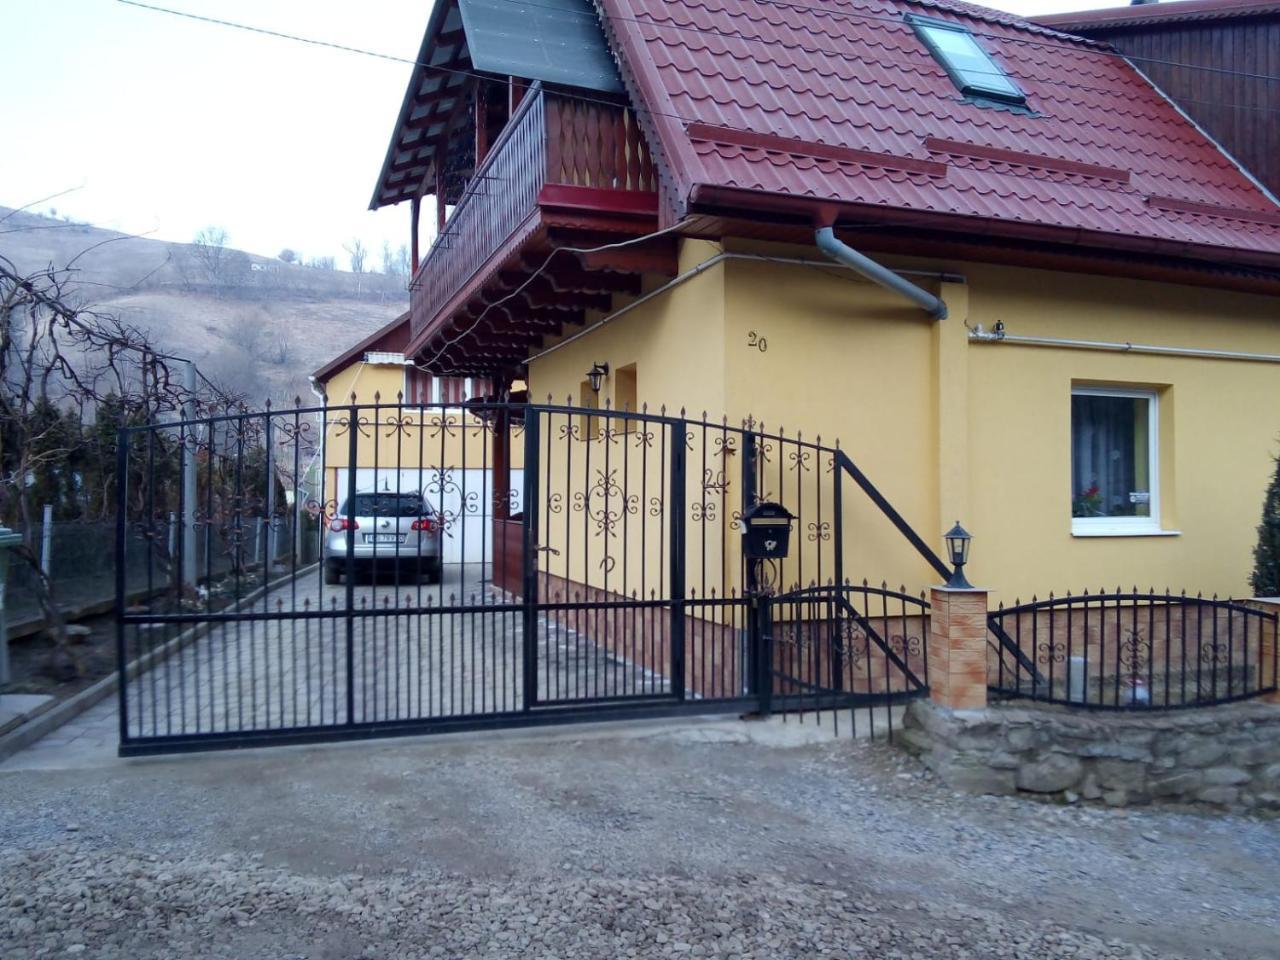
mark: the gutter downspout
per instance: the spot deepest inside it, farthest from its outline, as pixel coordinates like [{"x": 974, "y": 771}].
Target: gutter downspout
[{"x": 842, "y": 253}]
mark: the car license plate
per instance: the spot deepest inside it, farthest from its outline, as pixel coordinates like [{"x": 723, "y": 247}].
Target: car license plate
[{"x": 383, "y": 538}]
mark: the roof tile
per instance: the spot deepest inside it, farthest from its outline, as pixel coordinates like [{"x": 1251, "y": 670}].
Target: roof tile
[{"x": 853, "y": 73}]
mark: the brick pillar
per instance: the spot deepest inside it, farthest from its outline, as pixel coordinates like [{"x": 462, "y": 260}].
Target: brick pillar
[
  {"x": 1270, "y": 641},
  {"x": 958, "y": 648}
]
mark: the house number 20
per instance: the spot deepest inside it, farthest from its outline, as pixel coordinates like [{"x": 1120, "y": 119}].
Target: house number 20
[{"x": 757, "y": 341}]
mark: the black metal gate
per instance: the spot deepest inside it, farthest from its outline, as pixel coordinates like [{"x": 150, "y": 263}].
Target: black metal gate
[{"x": 371, "y": 569}]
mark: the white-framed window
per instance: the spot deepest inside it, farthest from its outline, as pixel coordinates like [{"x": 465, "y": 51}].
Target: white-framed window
[{"x": 1115, "y": 460}]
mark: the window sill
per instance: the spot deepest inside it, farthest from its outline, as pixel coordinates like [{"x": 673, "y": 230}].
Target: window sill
[{"x": 1124, "y": 532}]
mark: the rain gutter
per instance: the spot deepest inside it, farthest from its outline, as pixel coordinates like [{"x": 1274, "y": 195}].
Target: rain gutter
[{"x": 844, "y": 254}]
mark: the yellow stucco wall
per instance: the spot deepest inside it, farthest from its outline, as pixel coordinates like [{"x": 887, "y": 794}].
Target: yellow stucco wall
[
  {"x": 951, "y": 429},
  {"x": 404, "y": 438},
  {"x": 1220, "y": 425}
]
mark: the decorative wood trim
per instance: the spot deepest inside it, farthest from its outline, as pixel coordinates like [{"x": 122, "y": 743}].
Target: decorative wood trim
[
  {"x": 598, "y": 199},
  {"x": 1214, "y": 210},
  {"x": 807, "y": 148},
  {"x": 978, "y": 151}
]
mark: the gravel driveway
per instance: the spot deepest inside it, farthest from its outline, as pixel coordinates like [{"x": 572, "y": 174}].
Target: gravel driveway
[{"x": 691, "y": 840}]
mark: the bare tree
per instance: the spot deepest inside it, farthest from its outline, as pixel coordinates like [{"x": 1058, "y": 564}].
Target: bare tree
[
  {"x": 357, "y": 253},
  {"x": 323, "y": 263},
  {"x": 210, "y": 250},
  {"x": 63, "y": 367},
  {"x": 395, "y": 262}
]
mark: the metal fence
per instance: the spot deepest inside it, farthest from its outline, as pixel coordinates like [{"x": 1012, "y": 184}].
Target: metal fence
[
  {"x": 79, "y": 559},
  {"x": 1132, "y": 651}
]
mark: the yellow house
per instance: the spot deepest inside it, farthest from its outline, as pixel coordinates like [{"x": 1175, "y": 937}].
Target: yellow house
[{"x": 988, "y": 262}]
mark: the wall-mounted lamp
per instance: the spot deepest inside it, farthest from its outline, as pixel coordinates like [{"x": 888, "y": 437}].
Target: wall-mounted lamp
[
  {"x": 596, "y": 375},
  {"x": 958, "y": 539}
]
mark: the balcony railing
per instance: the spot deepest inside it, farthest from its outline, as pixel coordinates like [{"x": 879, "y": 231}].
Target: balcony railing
[{"x": 550, "y": 140}]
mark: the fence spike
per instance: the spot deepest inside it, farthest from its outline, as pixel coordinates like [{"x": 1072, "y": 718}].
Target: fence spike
[
  {"x": 704, "y": 416},
  {"x": 644, "y": 407},
  {"x": 364, "y": 603},
  {"x": 1183, "y": 594},
  {"x": 682, "y": 413},
  {"x": 377, "y": 396},
  {"x": 386, "y": 602},
  {"x": 353, "y": 398},
  {"x": 608, "y": 403},
  {"x": 400, "y": 397},
  {"x": 884, "y": 585},
  {"x": 550, "y": 400},
  {"x": 693, "y": 592},
  {"x": 817, "y": 439},
  {"x": 306, "y": 603},
  {"x": 279, "y": 604},
  {"x": 713, "y": 593},
  {"x": 1215, "y": 598},
  {"x": 268, "y": 404},
  {"x": 1086, "y": 593},
  {"x": 1199, "y": 595},
  {"x": 1050, "y": 594},
  {"x": 453, "y": 599},
  {"x": 662, "y": 410},
  {"x": 1034, "y": 599},
  {"x": 864, "y": 583}
]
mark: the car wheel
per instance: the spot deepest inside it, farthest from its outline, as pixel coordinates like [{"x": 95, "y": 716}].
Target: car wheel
[{"x": 331, "y": 574}]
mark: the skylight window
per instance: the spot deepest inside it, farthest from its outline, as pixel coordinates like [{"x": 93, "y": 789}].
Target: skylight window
[{"x": 969, "y": 66}]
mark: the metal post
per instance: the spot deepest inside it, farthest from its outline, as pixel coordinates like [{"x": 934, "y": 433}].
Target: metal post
[
  {"x": 122, "y": 506},
  {"x": 529, "y": 640},
  {"x": 677, "y": 559},
  {"x": 46, "y": 541},
  {"x": 8, "y": 538},
  {"x": 764, "y": 633},
  {"x": 175, "y": 574},
  {"x": 188, "y": 574},
  {"x": 270, "y": 559},
  {"x": 751, "y": 568},
  {"x": 350, "y": 577}
]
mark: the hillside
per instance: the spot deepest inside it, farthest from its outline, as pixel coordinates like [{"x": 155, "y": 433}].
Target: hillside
[{"x": 253, "y": 324}]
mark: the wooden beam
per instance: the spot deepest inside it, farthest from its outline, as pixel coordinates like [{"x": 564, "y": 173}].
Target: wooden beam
[
  {"x": 415, "y": 208},
  {"x": 652, "y": 257}
]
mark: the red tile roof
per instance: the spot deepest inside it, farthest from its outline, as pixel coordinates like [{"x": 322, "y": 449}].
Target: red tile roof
[
  {"x": 1147, "y": 14},
  {"x": 836, "y": 106}
]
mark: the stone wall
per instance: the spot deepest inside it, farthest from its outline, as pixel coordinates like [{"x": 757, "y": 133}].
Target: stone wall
[{"x": 1225, "y": 756}]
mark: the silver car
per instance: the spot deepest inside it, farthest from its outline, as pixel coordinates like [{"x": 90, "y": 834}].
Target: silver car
[{"x": 395, "y": 531}]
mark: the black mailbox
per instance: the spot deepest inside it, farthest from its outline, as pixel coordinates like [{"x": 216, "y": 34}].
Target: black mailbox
[{"x": 766, "y": 531}]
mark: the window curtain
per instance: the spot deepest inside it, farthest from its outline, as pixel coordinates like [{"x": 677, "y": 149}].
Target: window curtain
[{"x": 1110, "y": 456}]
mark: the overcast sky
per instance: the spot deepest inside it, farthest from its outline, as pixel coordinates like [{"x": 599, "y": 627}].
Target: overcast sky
[{"x": 165, "y": 125}]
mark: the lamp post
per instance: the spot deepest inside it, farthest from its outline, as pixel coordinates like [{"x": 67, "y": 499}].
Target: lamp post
[
  {"x": 958, "y": 539},
  {"x": 596, "y": 375}
]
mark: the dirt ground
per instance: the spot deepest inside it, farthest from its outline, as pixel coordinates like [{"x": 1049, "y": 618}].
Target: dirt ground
[{"x": 696, "y": 813}]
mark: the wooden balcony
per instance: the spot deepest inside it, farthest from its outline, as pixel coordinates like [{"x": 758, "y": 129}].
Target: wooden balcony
[{"x": 561, "y": 163}]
